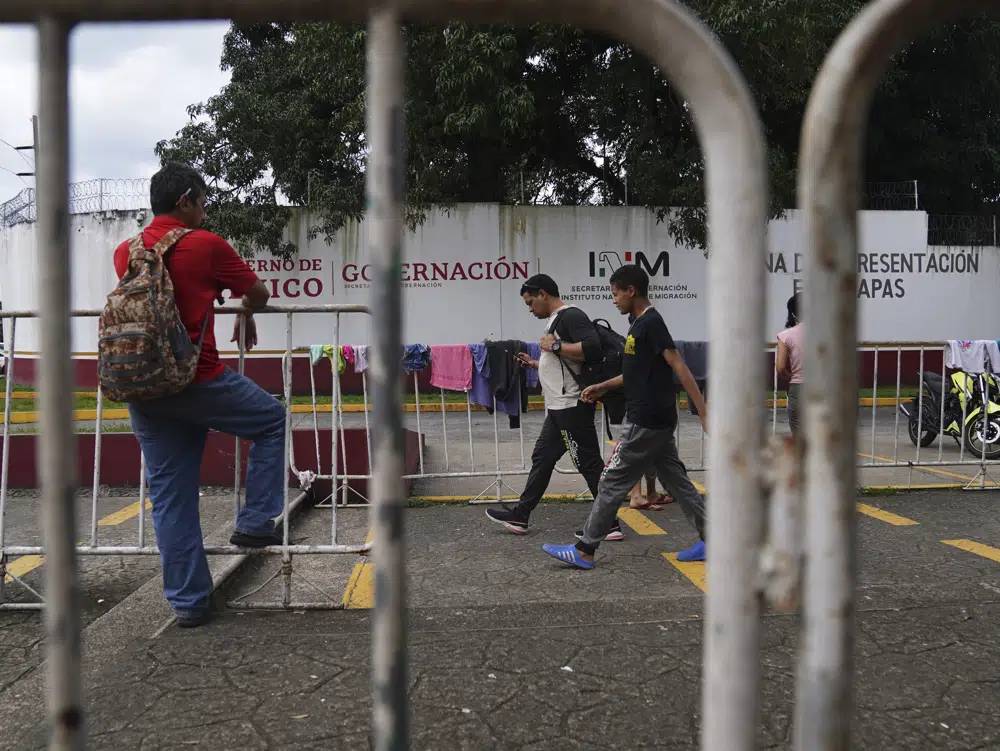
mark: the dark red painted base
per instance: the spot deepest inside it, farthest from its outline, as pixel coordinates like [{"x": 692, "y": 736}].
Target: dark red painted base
[
  {"x": 120, "y": 459},
  {"x": 266, "y": 371}
]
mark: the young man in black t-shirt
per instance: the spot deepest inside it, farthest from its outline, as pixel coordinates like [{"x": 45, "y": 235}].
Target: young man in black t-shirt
[
  {"x": 570, "y": 339},
  {"x": 647, "y": 436}
]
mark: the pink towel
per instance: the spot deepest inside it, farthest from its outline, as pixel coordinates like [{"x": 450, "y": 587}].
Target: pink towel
[
  {"x": 348, "y": 351},
  {"x": 451, "y": 367}
]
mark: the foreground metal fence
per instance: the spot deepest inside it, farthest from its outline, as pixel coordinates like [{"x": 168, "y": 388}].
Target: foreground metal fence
[{"x": 732, "y": 141}]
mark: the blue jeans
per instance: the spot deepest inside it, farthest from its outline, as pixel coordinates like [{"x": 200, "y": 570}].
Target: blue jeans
[{"x": 172, "y": 433}]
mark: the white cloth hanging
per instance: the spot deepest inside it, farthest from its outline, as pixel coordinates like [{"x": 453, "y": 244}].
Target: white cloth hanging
[
  {"x": 360, "y": 358},
  {"x": 971, "y": 355}
]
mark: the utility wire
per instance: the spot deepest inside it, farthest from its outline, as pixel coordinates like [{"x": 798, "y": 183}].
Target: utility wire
[{"x": 20, "y": 152}]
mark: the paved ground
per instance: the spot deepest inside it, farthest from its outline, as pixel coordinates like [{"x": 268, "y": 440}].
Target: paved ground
[
  {"x": 105, "y": 580},
  {"x": 509, "y": 650}
]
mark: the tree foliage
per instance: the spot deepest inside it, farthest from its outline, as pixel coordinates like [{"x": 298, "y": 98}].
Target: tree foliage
[{"x": 550, "y": 114}]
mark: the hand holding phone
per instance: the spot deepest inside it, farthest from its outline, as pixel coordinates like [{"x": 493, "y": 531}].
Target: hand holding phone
[{"x": 524, "y": 361}]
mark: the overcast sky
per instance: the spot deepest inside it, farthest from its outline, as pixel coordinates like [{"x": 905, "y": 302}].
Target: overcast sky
[{"x": 130, "y": 87}]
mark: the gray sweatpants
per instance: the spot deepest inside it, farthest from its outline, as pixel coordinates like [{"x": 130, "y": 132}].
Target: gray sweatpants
[
  {"x": 793, "y": 407},
  {"x": 639, "y": 450}
]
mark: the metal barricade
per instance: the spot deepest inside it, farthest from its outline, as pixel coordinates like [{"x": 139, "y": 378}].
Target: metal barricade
[
  {"x": 92, "y": 547},
  {"x": 830, "y": 174},
  {"x": 732, "y": 141}
]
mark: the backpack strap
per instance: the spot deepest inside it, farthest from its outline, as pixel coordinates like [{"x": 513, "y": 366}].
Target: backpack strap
[
  {"x": 169, "y": 240},
  {"x": 137, "y": 248}
]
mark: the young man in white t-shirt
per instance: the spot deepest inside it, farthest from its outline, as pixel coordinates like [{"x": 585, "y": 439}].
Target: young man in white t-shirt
[{"x": 570, "y": 339}]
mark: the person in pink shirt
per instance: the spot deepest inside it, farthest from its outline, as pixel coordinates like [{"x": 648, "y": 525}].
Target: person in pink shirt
[{"x": 789, "y": 360}]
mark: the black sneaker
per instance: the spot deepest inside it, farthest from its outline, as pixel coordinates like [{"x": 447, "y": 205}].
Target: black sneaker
[
  {"x": 248, "y": 540},
  {"x": 508, "y": 519},
  {"x": 194, "y": 618},
  {"x": 614, "y": 535}
]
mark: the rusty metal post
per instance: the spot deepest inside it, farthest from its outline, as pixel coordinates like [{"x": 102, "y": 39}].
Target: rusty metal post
[
  {"x": 830, "y": 175},
  {"x": 385, "y": 179},
  {"x": 731, "y": 138},
  {"x": 56, "y": 443}
]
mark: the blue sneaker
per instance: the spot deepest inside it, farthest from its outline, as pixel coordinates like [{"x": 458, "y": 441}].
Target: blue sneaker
[
  {"x": 567, "y": 554},
  {"x": 697, "y": 553}
]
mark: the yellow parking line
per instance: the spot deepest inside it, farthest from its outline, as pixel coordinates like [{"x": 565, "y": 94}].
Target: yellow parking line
[
  {"x": 693, "y": 570},
  {"x": 978, "y": 548},
  {"x": 27, "y": 563},
  {"x": 123, "y": 515},
  {"x": 21, "y": 566},
  {"x": 886, "y": 516},
  {"x": 638, "y": 522},
  {"x": 360, "y": 591}
]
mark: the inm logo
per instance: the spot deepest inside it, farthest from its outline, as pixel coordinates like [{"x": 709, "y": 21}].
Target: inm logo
[{"x": 605, "y": 263}]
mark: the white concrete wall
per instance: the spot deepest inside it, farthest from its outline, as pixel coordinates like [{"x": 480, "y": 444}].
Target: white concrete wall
[{"x": 465, "y": 266}]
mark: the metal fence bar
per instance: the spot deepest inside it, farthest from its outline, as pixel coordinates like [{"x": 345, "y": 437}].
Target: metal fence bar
[
  {"x": 368, "y": 430},
  {"x": 142, "y": 499},
  {"x": 895, "y": 431},
  {"x": 5, "y": 460},
  {"x": 96, "y": 490},
  {"x": 920, "y": 405},
  {"x": 965, "y": 416},
  {"x": 986, "y": 418},
  {"x": 496, "y": 450},
  {"x": 130, "y": 550},
  {"x": 874, "y": 402},
  {"x": 286, "y": 556},
  {"x": 468, "y": 411},
  {"x": 336, "y": 411},
  {"x": 944, "y": 390},
  {"x": 57, "y": 449},
  {"x": 384, "y": 178},
  {"x": 444, "y": 431},
  {"x": 315, "y": 417},
  {"x": 241, "y": 343},
  {"x": 830, "y": 176},
  {"x": 774, "y": 402},
  {"x": 416, "y": 399}
]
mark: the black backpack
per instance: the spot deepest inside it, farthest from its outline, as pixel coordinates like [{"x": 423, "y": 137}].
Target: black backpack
[{"x": 608, "y": 367}]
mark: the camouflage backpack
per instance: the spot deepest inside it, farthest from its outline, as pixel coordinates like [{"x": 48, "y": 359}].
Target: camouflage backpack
[{"x": 143, "y": 349}]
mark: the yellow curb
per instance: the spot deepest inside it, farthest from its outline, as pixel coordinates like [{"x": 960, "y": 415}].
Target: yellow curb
[{"x": 24, "y": 418}]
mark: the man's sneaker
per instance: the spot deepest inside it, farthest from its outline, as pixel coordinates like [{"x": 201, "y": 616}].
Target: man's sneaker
[
  {"x": 696, "y": 553},
  {"x": 614, "y": 535},
  {"x": 568, "y": 554},
  {"x": 248, "y": 540},
  {"x": 508, "y": 519},
  {"x": 193, "y": 618}
]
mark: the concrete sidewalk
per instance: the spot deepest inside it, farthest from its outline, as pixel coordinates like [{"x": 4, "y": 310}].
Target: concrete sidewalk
[{"x": 508, "y": 649}]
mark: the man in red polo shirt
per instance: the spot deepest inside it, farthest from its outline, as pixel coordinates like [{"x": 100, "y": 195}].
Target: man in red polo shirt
[{"x": 172, "y": 430}]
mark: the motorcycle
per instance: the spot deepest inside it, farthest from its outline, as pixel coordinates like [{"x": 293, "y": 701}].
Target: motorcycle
[{"x": 964, "y": 418}]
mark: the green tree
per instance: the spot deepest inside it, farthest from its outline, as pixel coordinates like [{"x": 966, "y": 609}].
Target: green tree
[{"x": 550, "y": 114}]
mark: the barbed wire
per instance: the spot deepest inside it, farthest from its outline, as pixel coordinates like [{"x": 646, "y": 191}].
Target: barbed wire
[
  {"x": 130, "y": 194},
  {"x": 19, "y": 209},
  {"x": 86, "y": 197},
  {"x": 961, "y": 230},
  {"x": 891, "y": 196}
]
